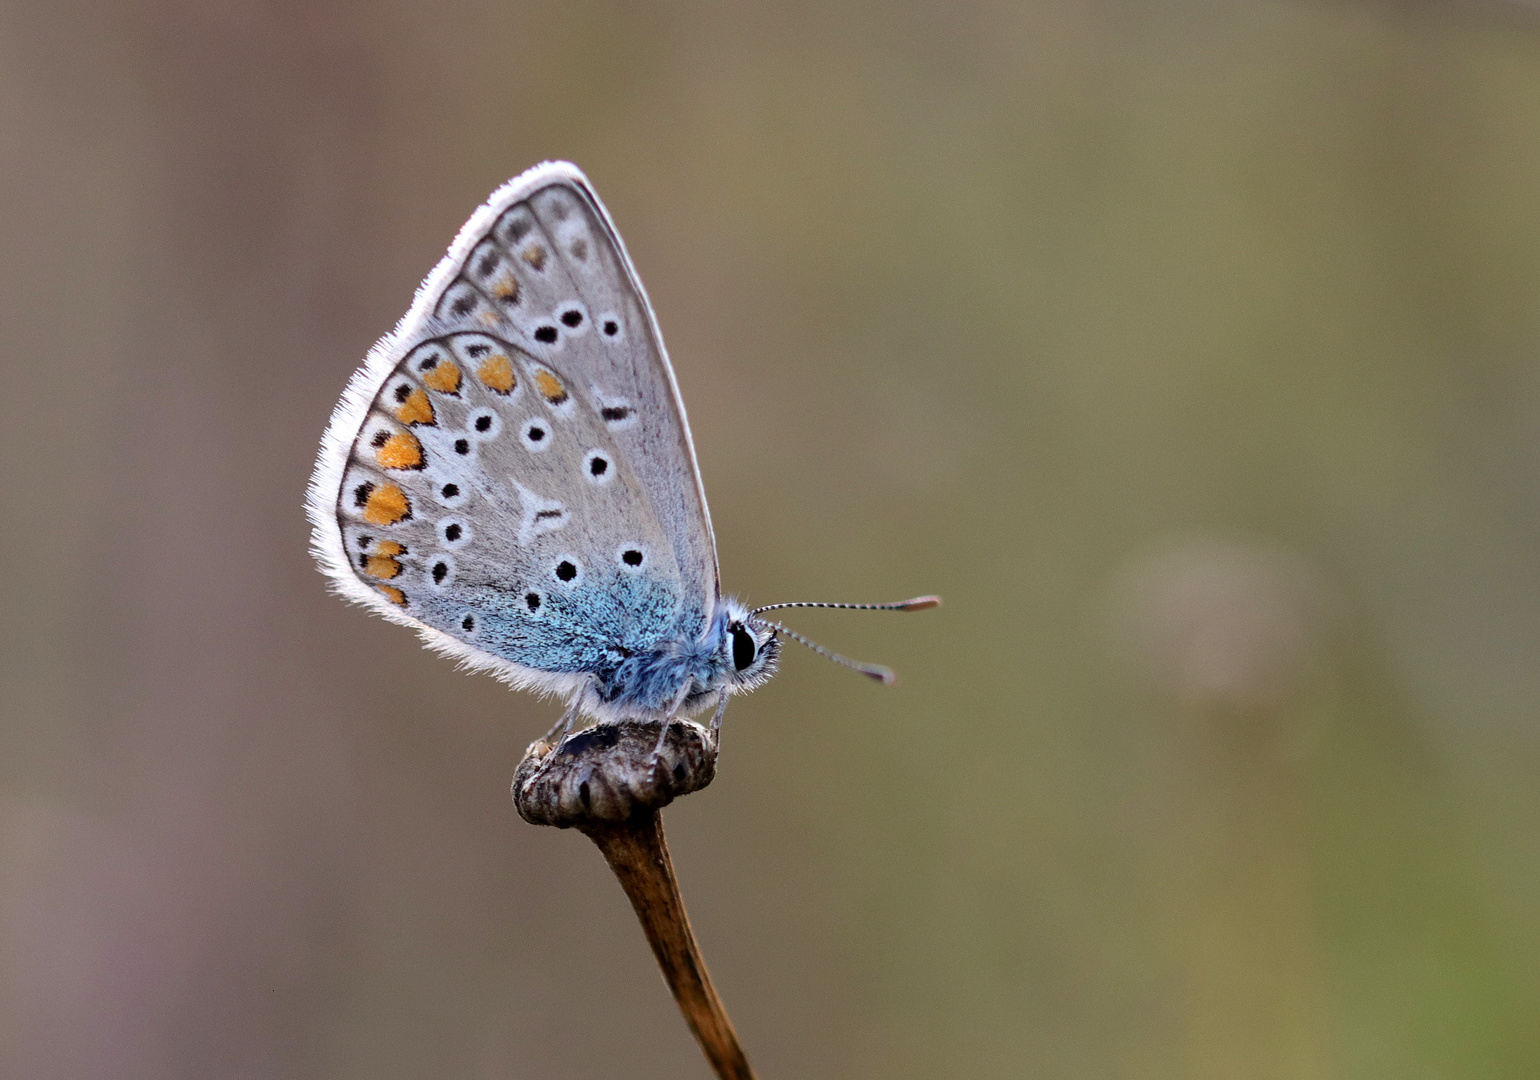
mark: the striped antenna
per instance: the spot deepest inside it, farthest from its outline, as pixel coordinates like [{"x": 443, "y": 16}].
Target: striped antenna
[
  {"x": 871, "y": 671},
  {"x": 919, "y": 603}
]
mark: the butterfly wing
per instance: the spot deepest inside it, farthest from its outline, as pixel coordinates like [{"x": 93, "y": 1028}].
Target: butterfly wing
[{"x": 511, "y": 472}]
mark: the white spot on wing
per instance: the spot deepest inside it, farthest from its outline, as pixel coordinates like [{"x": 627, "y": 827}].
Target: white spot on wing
[{"x": 540, "y": 515}]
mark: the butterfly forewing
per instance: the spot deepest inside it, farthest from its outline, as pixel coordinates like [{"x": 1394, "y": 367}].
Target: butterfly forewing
[{"x": 552, "y": 268}]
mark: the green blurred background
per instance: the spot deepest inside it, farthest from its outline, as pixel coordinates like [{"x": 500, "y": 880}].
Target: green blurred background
[{"x": 1189, "y": 349}]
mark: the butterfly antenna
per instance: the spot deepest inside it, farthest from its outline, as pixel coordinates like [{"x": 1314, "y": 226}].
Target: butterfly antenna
[
  {"x": 871, "y": 671},
  {"x": 919, "y": 603}
]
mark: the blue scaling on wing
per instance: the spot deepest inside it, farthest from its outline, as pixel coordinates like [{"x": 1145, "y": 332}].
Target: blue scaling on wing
[{"x": 626, "y": 630}]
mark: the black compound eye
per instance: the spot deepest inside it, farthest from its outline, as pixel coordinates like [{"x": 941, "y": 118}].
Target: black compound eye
[{"x": 744, "y": 648}]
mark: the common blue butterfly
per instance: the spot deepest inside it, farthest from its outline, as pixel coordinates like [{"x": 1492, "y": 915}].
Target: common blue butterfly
[{"x": 511, "y": 475}]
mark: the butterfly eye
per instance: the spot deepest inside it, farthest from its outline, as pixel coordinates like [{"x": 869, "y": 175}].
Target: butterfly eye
[{"x": 744, "y": 648}]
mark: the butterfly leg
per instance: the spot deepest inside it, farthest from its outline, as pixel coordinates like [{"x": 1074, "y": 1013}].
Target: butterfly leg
[
  {"x": 668, "y": 718},
  {"x": 716, "y": 718},
  {"x": 558, "y": 732},
  {"x": 559, "y": 729}
]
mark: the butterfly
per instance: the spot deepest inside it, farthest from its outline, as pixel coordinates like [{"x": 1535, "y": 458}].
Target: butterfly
[{"x": 511, "y": 474}]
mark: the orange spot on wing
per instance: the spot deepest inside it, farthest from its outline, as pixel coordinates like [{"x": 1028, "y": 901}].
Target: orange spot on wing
[
  {"x": 393, "y": 594},
  {"x": 535, "y": 256},
  {"x": 550, "y": 387},
  {"x": 389, "y": 547},
  {"x": 443, "y": 377},
  {"x": 416, "y": 409},
  {"x": 386, "y": 505},
  {"x": 496, "y": 371},
  {"x": 382, "y": 568},
  {"x": 507, "y": 290},
  {"x": 400, "y": 451}
]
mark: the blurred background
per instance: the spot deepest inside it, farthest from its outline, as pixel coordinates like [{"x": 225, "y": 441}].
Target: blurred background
[{"x": 1190, "y": 349}]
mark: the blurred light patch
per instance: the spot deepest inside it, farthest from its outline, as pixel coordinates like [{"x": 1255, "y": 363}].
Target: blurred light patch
[{"x": 1221, "y": 624}]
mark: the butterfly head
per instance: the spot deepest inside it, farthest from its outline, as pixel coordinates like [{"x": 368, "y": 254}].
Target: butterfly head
[
  {"x": 750, "y": 648},
  {"x": 752, "y": 643}
]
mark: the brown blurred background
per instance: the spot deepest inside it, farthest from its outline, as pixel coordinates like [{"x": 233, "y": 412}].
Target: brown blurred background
[{"x": 1190, "y": 349}]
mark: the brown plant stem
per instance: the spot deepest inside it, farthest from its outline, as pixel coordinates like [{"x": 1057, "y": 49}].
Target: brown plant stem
[
  {"x": 638, "y": 854},
  {"x": 609, "y": 782}
]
